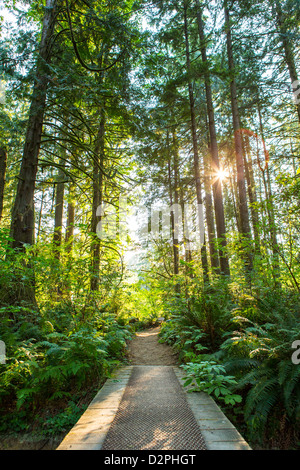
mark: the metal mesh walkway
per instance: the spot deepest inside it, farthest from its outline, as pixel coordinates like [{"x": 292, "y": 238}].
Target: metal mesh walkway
[{"x": 154, "y": 414}]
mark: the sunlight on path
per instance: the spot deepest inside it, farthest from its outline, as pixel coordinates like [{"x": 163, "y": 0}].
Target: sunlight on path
[
  {"x": 144, "y": 334},
  {"x": 145, "y": 349}
]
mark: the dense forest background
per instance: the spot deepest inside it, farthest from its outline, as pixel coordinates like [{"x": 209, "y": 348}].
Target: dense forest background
[{"x": 174, "y": 103}]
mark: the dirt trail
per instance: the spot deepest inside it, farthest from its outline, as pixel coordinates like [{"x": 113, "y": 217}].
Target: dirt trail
[{"x": 144, "y": 349}]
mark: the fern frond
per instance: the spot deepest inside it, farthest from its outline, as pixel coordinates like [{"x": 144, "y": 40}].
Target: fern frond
[
  {"x": 241, "y": 364},
  {"x": 262, "y": 398},
  {"x": 289, "y": 386}
]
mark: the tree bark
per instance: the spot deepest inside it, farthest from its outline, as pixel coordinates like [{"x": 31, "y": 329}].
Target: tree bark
[
  {"x": 23, "y": 218},
  {"x": 186, "y": 238},
  {"x": 252, "y": 194},
  {"x": 69, "y": 240},
  {"x": 174, "y": 188},
  {"x": 214, "y": 258},
  {"x": 176, "y": 199},
  {"x": 3, "y": 163},
  {"x": 70, "y": 223},
  {"x": 195, "y": 144},
  {"x": 232, "y": 182},
  {"x": 97, "y": 201},
  {"x": 238, "y": 144},
  {"x": 22, "y": 223},
  {"x": 40, "y": 216},
  {"x": 270, "y": 208},
  {"x": 58, "y": 213},
  {"x": 215, "y": 164}
]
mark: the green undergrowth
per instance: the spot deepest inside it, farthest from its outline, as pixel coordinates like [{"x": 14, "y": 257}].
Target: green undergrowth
[
  {"x": 237, "y": 347},
  {"x": 55, "y": 363}
]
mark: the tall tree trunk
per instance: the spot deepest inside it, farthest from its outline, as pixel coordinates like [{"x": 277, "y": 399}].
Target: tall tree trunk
[
  {"x": 22, "y": 219},
  {"x": 215, "y": 164},
  {"x": 173, "y": 188},
  {"x": 58, "y": 213},
  {"x": 3, "y": 162},
  {"x": 242, "y": 192},
  {"x": 188, "y": 270},
  {"x": 22, "y": 223},
  {"x": 288, "y": 50},
  {"x": 188, "y": 252},
  {"x": 252, "y": 193},
  {"x": 69, "y": 237},
  {"x": 69, "y": 240},
  {"x": 195, "y": 144},
  {"x": 209, "y": 212},
  {"x": 232, "y": 183},
  {"x": 58, "y": 223},
  {"x": 97, "y": 201},
  {"x": 270, "y": 207},
  {"x": 175, "y": 215},
  {"x": 176, "y": 200},
  {"x": 40, "y": 215}
]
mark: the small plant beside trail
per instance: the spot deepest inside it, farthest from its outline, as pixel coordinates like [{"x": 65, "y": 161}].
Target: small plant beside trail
[{"x": 210, "y": 377}]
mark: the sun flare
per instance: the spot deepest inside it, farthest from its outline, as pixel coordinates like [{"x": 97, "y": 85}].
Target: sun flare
[{"x": 222, "y": 174}]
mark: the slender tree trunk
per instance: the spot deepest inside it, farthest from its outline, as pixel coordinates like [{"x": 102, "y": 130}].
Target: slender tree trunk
[
  {"x": 69, "y": 237},
  {"x": 188, "y": 271},
  {"x": 188, "y": 253},
  {"x": 174, "y": 187},
  {"x": 270, "y": 207},
  {"x": 22, "y": 224},
  {"x": 3, "y": 162},
  {"x": 97, "y": 201},
  {"x": 234, "y": 199},
  {"x": 58, "y": 213},
  {"x": 215, "y": 164},
  {"x": 252, "y": 194},
  {"x": 176, "y": 197},
  {"x": 69, "y": 240},
  {"x": 288, "y": 50},
  {"x": 209, "y": 211},
  {"x": 195, "y": 143},
  {"x": 242, "y": 192},
  {"x": 40, "y": 216},
  {"x": 58, "y": 223}
]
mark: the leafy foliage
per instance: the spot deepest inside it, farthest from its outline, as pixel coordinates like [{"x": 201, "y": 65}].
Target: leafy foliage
[
  {"x": 210, "y": 377},
  {"x": 44, "y": 364},
  {"x": 251, "y": 370}
]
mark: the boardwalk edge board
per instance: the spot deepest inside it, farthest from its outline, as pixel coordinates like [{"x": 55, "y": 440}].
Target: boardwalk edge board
[{"x": 91, "y": 429}]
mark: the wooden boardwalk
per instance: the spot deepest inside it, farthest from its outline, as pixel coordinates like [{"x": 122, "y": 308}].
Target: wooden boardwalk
[{"x": 189, "y": 421}]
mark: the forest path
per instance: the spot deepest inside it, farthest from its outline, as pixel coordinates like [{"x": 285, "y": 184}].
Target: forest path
[
  {"x": 144, "y": 406},
  {"x": 153, "y": 412},
  {"x": 144, "y": 349}
]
